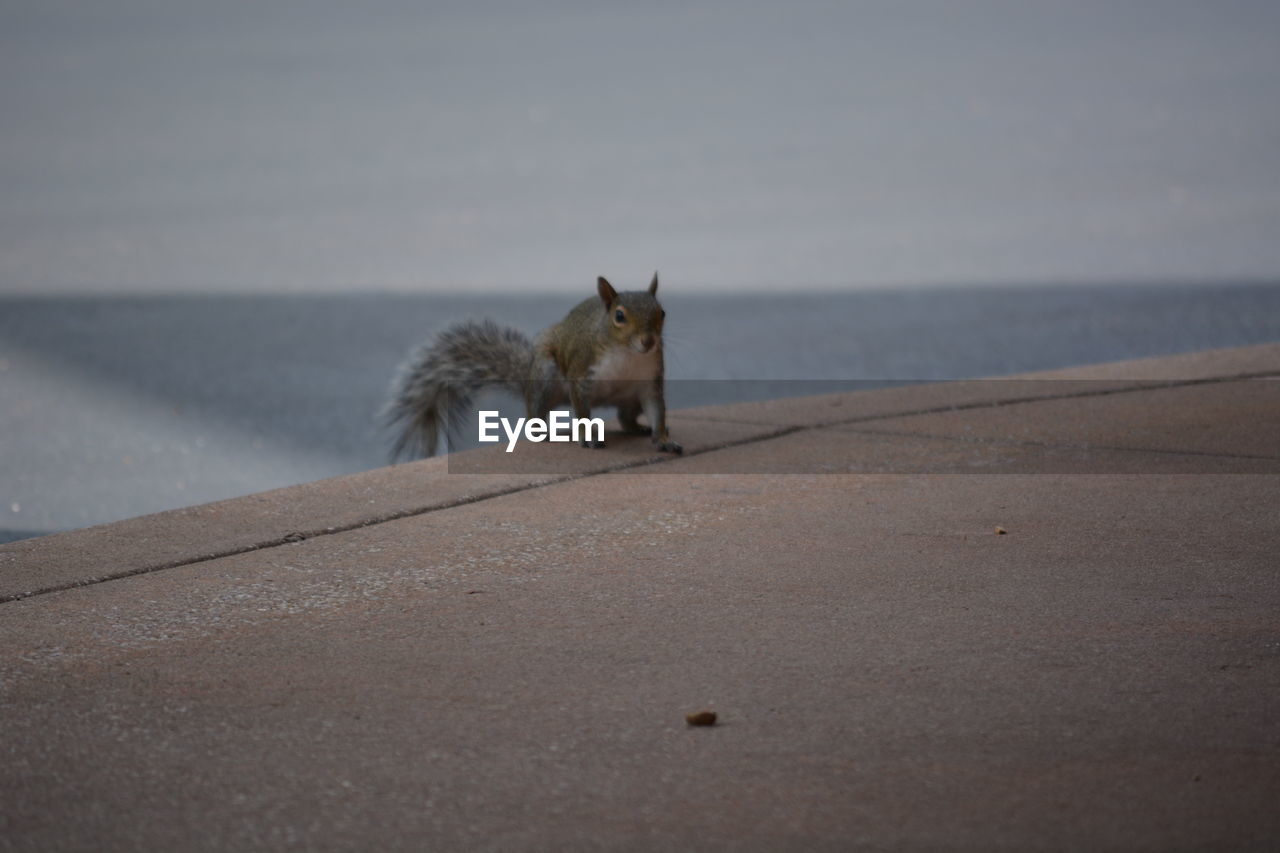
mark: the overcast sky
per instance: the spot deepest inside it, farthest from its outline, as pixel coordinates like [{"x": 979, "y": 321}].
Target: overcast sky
[{"x": 154, "y": 145}]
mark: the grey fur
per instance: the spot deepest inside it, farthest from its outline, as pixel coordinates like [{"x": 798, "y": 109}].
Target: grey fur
[{"x": 435, "y": 386}]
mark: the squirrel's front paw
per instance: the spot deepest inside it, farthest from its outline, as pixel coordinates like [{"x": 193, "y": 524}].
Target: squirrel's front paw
[{"x": 670, "y": 447}]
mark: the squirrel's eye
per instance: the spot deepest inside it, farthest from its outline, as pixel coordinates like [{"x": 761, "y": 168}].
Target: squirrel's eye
[{"x": 619, "y": 316}]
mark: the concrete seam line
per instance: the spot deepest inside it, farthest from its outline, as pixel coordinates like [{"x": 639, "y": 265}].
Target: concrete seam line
[
  {"x": 1148, "y": 385},
  {"x": 1048, "y": 445},
  {"x": 295, "y": 536},
  {"x": 287, "y": 539}
]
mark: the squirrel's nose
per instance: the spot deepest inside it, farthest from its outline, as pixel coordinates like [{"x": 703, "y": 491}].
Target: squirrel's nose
[{"x": 647, "y": 342}]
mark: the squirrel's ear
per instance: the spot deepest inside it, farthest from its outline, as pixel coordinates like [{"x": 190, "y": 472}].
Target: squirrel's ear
[
  {"x": 606, "y": 291},
  {"x": 653, "y": 285}
]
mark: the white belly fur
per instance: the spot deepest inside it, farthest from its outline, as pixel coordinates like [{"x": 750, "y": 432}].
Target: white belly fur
[{"x": 623, "y": 374}]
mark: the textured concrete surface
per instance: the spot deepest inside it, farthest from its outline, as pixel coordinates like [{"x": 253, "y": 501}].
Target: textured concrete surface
[
  {"x": 324, "y": 507},
  {"x": 504, "y": 661},
  {"x": 1237, "y": 419}
]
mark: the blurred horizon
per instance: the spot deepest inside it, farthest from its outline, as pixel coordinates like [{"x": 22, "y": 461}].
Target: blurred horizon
[
  {"x": 562, "y": 295},
  {"x": 117, "y": 406},
  {"x": 311, "y": 146}
]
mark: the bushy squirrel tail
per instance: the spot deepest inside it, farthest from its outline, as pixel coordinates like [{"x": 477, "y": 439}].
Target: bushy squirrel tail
[{"x": 435, "y": 386}]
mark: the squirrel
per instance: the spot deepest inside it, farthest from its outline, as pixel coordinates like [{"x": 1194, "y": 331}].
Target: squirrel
[{"x": 606, "y": 352}]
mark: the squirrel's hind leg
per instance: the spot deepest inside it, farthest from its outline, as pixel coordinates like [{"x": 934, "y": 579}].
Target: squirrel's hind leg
[{"x": 627, "y": 414}]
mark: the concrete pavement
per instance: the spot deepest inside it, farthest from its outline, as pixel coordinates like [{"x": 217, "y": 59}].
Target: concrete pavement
[{"x": 420, "y": 658}]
